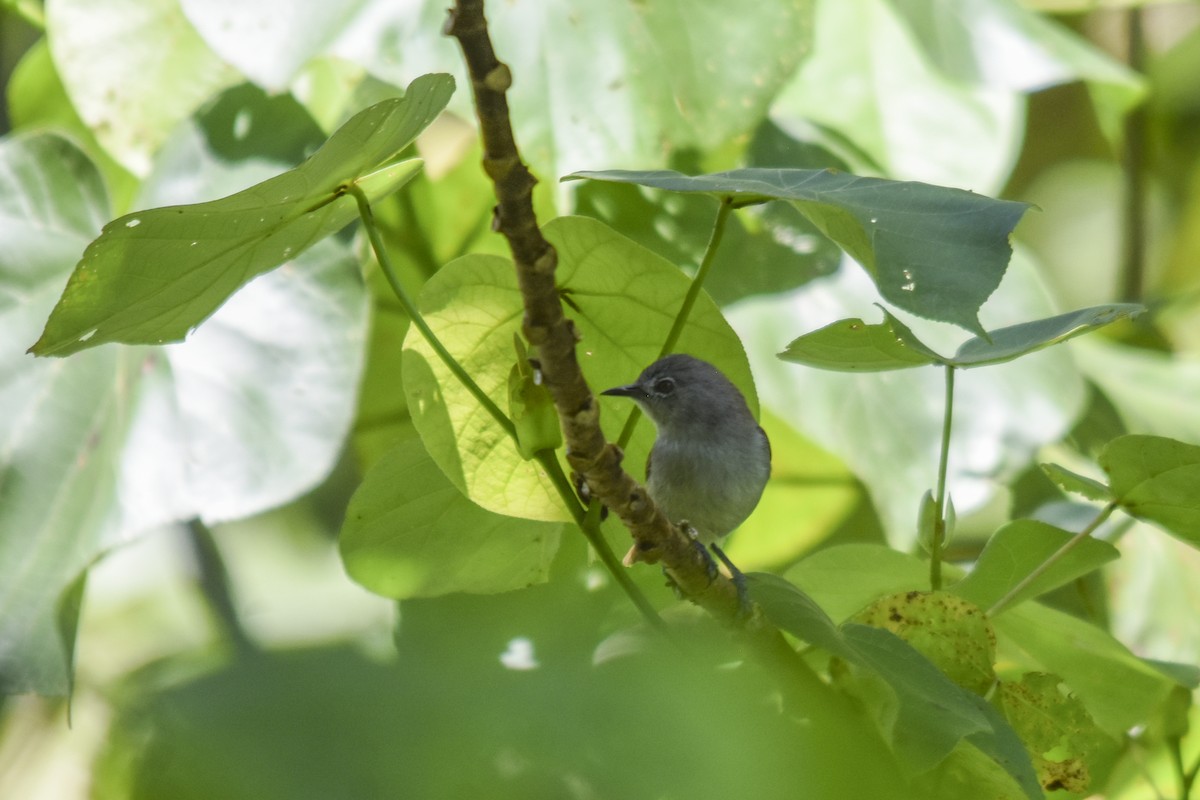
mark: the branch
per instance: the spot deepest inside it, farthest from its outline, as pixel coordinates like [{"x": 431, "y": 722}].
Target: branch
[{"x": 554, "y": 336}]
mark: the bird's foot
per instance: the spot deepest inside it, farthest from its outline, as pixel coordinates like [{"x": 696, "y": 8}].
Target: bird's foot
[{"x": 709, "y": 564}]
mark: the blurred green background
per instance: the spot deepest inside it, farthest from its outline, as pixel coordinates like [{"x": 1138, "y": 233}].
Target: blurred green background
[{"x": 239, "y": 660}]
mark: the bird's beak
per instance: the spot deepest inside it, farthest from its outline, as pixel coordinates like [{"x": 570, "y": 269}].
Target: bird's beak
[{"x": 632, "y": 390}]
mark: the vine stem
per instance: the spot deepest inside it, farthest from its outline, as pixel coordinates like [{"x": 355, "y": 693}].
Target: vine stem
[
  {"x": 1053, "y": 558},
  {"x": 685, "y": 308},
  {"x": 939, "y": 505},
  {"x": 545, "y": 458}
]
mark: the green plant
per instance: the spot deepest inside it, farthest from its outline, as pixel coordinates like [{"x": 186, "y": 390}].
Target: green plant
[{"x": 954, "y": 681}]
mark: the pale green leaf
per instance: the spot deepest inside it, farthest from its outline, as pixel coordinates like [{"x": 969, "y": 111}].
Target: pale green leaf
[
  {"x": 134, "y": 69},
  {"x": 1003, "y": 45},
  {"x": 662, "y": 76},
  {"x": 870, "y": 79},
  {"x": 622, "y": 299}
]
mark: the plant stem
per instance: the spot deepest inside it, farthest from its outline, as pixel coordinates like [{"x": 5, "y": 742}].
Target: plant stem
[
  {"x": 589, "y": 524},
  {"x": 214, "y": 584},
  {"x": 1133, "y": 264},
  {"x": 939, "y": 505},
  {"x": 1053, "y": 558},
  {"x": 685, "y": 308},
  {"x": 410, "y": 308},
  {"x": 547, "y": 458}
]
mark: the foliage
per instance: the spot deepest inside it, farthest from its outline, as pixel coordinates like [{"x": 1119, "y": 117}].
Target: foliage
[{"x": 176, "y": 205}]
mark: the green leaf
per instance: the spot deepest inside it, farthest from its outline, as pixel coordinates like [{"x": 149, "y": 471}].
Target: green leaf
[
  {"x": 1118, "y": 689},
  {"x": 846, "y": 578},
  {"x": 1074, "y": 482},
  {"x": 926, "y": 715},
  {"x": 851, "y": 345},
  {"x": 914, "y": 239},
  {"x": 1069, "y": 752},
  {"x": 409, "y": 532},
  {"x": 622, "y": 299},
  {"x": 134, "y": 69},
  {"x": 1153, "y": 392},
  {"x": 1015, "y": 341},
  {"x": 1158, "y": 480},
  {"x": 886, "y": 426},
  {"x": 154, "y": 275},
  {"x": 951, "y": 632},
  {"x": 1020, "y": 546}
]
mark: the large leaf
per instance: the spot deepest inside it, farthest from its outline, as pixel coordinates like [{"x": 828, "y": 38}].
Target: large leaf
[
  {"x": 1158, "y": 480},
  {"x": 1019, "y": 547},
  {"x": 154, "y": 275},
  {"x": 112, "y": 442},
  {"x": 622, "y": 298},
  {"x": 915, "y": 240},
  {"x": 410, "y": 533},
  {"x": 134, "y": 69},
  {"x": 656, "y": 75}
]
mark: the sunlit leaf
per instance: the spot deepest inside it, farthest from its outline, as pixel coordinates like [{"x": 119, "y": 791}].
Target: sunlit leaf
[
  {"x": 851, "y": 345},
  {"x": 154, "y": 275},
  {"x": 622, "y": 299}
]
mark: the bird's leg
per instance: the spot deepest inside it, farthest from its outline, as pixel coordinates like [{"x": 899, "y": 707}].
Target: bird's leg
[
  {"x": 711, "y": 565},
  {"x": 739, "y": 582}
]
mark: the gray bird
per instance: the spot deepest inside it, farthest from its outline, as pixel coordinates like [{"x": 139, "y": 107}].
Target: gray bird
[{"x": 710, "y": 460}]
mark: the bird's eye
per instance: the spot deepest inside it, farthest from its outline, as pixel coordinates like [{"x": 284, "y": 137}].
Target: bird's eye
[{"x": 664, "y": 386}]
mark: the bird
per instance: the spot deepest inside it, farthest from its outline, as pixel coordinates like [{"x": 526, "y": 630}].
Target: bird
[{"x": 710, "y": 460}]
